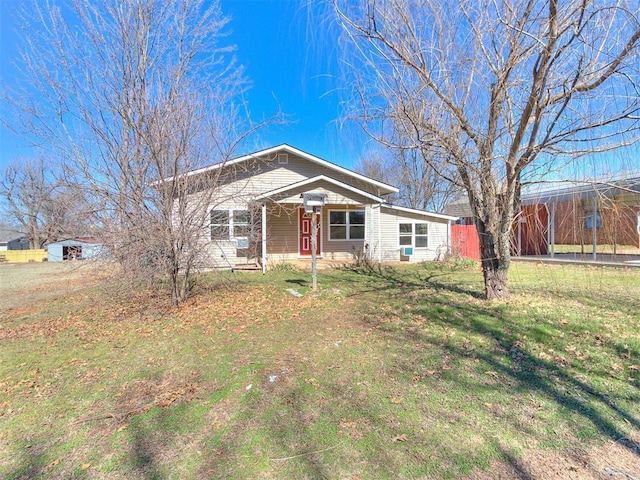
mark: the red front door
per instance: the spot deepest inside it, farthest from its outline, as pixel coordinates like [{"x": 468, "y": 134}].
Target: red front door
[{"x": 305, "y": 233}]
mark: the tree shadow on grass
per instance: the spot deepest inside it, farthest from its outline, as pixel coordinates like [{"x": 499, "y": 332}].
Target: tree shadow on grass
[{"x": 528, "y": 373}]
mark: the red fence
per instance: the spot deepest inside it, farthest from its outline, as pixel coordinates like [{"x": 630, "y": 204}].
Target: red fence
[{"x": 465, "y": 241}]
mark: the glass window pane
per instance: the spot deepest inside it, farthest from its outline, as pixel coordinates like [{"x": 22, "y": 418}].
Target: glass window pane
[
  {"x": 219, "y": 216},
  {"x": 219, "y": 232},
  {"x": 241, "y": 216},
  {"x": 241, "y": 230},
  {"x": 406, "y": 228},
  {"x": 421, "y": 228},
  {"x": 338, "y": 233},
  {"x": 421, "y": 241},
  {"x": 356, "y": 218},
  {"x": 405, "y": 241},
  {"x": 337, "y": 218},
  {"x": 356, "y": 232}
]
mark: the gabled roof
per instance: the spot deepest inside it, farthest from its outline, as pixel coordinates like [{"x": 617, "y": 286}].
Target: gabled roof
[
  {"x": 319, "y": 178},
  {"x": 419, "y": 212},
  {"x": 384, "y": 188},
  {"x": 7, "y": 236}
]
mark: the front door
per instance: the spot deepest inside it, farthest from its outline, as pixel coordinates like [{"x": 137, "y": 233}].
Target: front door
[{"x": 304, "y": 227}]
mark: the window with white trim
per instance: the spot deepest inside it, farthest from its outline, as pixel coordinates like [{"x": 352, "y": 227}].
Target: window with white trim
[
  {"x": 241, "y": 223},
  {"x": 413, "y": 234},
  {"x": 230, "y": 224},
  {"x": 219, "y": 224},
  {"x": 346, "y": 224}
]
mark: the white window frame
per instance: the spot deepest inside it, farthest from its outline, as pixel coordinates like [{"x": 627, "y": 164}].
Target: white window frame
[
  {"x": 227, "y": 224},
  {"x": 230, "y": 223},
  {"x": 347, "y": 225},
  {"x": 232, "y": 229},
  {"x": 413, "y": 235}
]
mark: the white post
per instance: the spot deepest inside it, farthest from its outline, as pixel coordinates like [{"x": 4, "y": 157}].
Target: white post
[
  {"x": 264, "y": 238},
  {"x": 594, "y": 227},
  {"x": 552, "y": 220},
  {"x": 314, "y": 245}
]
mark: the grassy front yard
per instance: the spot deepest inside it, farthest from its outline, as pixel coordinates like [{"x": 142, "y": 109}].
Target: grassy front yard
[{"x": 392, "y": 373}]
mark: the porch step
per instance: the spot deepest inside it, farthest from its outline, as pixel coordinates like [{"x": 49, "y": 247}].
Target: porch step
[{"x": 246, "y": 267}]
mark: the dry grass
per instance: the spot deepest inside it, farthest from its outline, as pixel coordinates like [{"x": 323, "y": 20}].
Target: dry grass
[{"x": 395, "y": 373}]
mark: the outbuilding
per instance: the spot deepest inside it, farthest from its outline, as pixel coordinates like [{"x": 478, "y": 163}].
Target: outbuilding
[{"x": 74, "y": 249}]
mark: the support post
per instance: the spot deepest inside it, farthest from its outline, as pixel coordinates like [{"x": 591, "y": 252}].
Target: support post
[
  {"x": 314, "y": 245},
  {"x": 552, "y": 229},
  {"x": 594, "y": 227},
  {"x": 264, "y": 237}
]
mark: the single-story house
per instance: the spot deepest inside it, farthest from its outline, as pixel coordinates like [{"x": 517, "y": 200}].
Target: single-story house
[
  {"x": 580, "y": 213},
  {"x": 13, "y": 240},
  {"x": 80, "y": 248},
  {"x": 258, "y": 214}
]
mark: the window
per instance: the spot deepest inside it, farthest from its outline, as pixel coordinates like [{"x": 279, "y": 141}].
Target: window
[
  {"x": 346, "y": 225},
  {"x": 421, "y": 235},
  {"x": 219, "y": 224},
  {"x": 413, "y": 234},
  {"x": 593, "y": 220},
  {"x": 406, "y": 234},
  {"x": 283, "y": 159},
  {"x": 241, "y": 223}
]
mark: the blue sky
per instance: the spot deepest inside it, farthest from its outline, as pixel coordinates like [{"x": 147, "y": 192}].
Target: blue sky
[{"x": 288, "y": 63}]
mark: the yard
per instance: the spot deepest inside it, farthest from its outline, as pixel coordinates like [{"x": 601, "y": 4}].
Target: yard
[{"x": 385, "y": 373}]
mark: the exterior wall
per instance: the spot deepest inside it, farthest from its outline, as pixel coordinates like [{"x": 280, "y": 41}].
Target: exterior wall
[
  {"x": 16, "y": 244},
  {"x": 252, "y": 178},
  {"x": 438, "y": 236},
  {"x": 282, "y": 234},
  {"x": 90, "y": 251},
  {"x": 618, "y": 222}
]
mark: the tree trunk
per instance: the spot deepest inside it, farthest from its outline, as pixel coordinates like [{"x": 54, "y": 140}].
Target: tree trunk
[{"x": 495, "y": 258}]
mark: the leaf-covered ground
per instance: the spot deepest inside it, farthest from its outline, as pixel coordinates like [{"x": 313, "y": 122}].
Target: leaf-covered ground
[{"x": 385, "y": 373}]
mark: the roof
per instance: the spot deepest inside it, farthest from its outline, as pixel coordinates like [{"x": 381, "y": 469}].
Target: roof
[
  {"x": 385, "y": 188},
  {"x": 316, "y": 179},
  {"x": 568, "y": 190},
  {"x": 419, "y": 212},
  {"x": 7, "y": 235}
]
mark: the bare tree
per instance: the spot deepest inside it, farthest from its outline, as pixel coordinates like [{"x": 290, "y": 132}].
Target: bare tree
[
  {"x": 27, "y": 190},
  {"x": 135, "y": 94},
  {"x": 420, "y": 186},
  {"x": 501, "y": 91}
]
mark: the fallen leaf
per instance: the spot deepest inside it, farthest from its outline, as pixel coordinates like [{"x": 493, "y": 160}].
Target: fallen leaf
[
  {"x": 85, "y": 466},
  {"x": 395, "y": 400},
  {"x": 400, "y": 438},
  {"x": 492, "y": 373}
]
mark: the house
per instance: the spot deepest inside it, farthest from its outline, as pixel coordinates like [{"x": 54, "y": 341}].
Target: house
[
  {"x": 582, "y": 215},
  {"x": 79, "y": 248},
  {"x": 13, "y": 240},
  {"x": 259, "y": 217}
]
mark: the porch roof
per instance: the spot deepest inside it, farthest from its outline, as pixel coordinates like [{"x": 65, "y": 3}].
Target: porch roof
[{"x": 272, "y": 194}]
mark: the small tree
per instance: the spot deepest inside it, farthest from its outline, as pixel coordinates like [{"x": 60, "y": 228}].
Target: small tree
[
  {"x": 503, "y": 92},
  {"x": 134, "y": 95}
]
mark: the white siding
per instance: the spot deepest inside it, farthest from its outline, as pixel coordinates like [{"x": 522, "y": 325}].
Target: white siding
[{"x": 437, "y": 243}]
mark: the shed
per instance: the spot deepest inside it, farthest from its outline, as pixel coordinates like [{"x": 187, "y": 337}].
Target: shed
[{"x": 74, "y": 249}]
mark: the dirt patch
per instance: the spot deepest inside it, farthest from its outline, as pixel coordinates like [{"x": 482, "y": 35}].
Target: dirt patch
[
  {"x": 613, "y": 460},
  {"x": 26, "y": 285}
]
